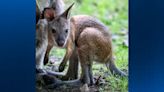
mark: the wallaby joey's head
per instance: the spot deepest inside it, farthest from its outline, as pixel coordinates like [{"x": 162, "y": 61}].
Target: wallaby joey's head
[{"x": 59, "y": 26}]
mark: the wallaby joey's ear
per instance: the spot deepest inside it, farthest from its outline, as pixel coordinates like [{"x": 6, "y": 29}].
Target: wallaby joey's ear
[
  {"x": 66, "y": 12},
  {"x": 48, "y": 13}
]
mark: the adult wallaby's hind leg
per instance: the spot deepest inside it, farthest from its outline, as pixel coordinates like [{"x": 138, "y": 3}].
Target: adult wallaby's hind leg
[
  {"x": 46, "y": 58},
  {"x": 112, "y": 67}
]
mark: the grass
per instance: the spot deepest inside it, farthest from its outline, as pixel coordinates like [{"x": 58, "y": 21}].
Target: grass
[{"x": 114, "y": 14}]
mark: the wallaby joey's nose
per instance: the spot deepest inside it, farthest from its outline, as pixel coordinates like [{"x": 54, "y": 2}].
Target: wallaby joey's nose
[{"x": 60, "y": 43}]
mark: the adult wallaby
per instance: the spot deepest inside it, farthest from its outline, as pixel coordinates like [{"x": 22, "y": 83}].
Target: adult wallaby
[
  {"x": 88, "y": 36},
  {"x": 41, "y": 42}
]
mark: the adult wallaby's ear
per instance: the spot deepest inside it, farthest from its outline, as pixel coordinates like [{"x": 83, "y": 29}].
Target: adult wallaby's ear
[
  {"x": 66, "y": 12},
  {"x": 57, "y": 5},
  {"x": 48, "y": 13}
]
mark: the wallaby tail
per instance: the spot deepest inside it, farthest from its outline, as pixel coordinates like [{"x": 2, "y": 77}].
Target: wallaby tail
[
  {"x": 53, "y": 82},
  {"x": 113, "y": 68}
]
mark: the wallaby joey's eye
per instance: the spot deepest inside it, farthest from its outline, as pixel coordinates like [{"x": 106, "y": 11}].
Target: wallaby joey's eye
[
  {"x": 53, "y": 31},
  {"x": 66, "y": 31}
]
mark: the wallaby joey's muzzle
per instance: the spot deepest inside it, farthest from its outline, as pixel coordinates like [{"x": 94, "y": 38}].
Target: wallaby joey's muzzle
[{"x": 60, "y": 41}]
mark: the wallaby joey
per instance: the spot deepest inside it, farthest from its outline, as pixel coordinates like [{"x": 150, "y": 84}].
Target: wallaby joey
[
  {"x": 93, "y": 42},
  {"x": 58, "y": 34},
  {"x": 88, "y": 36},
  {"x": 55, "y": 8}
]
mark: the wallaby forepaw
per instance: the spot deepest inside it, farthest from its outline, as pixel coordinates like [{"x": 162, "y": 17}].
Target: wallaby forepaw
[{"x": 61, "y": 67}]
